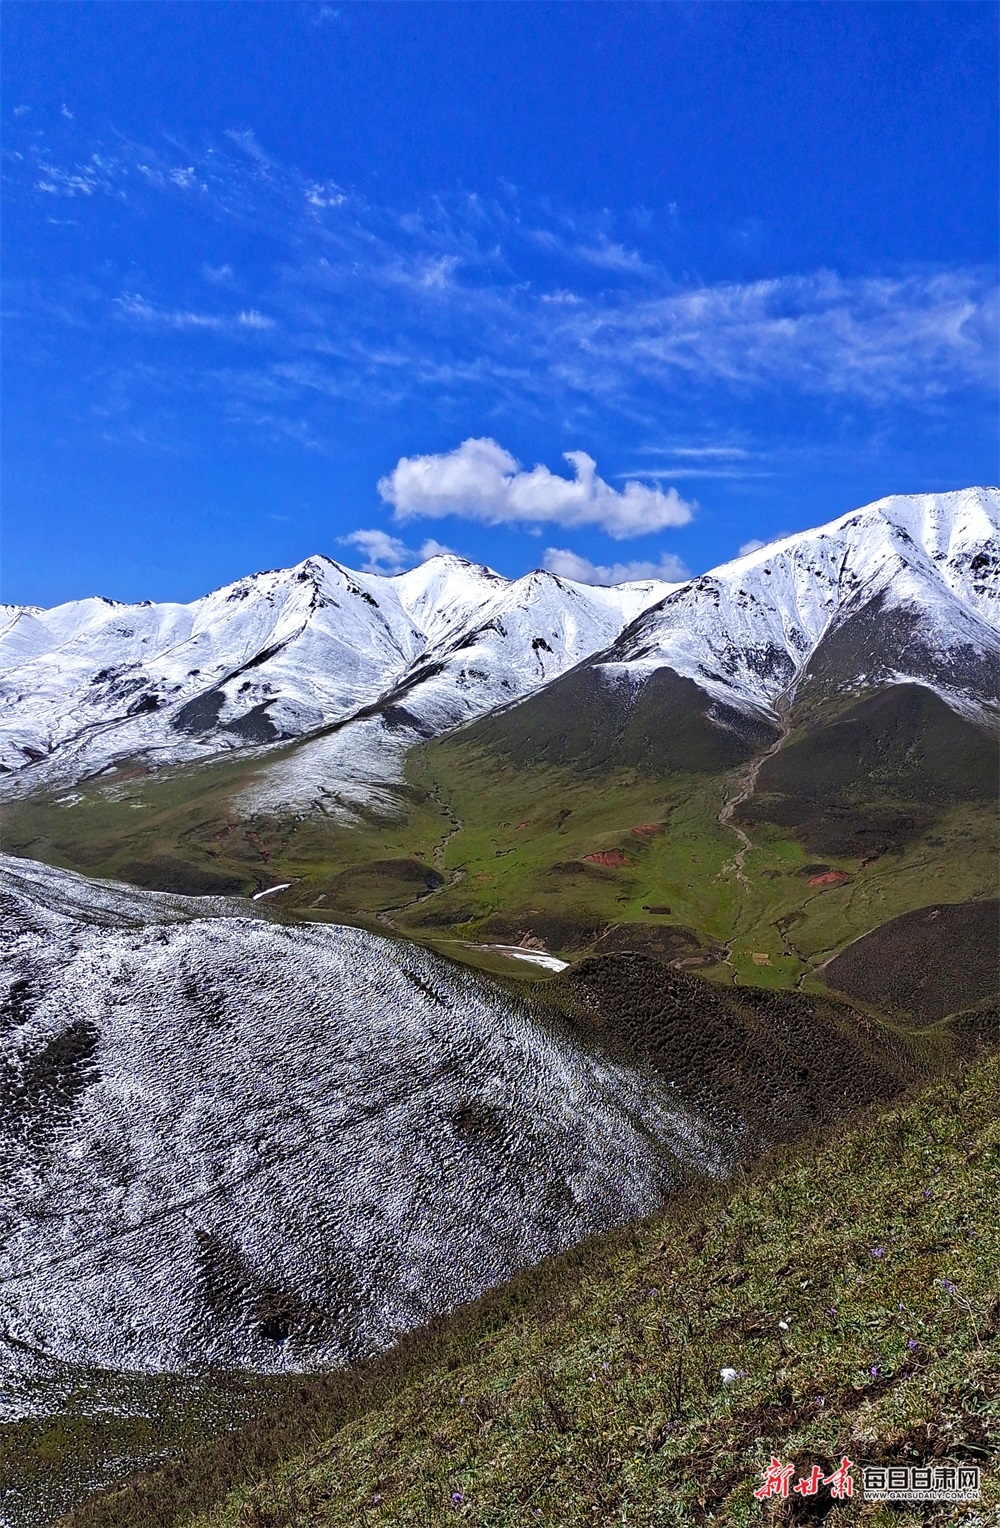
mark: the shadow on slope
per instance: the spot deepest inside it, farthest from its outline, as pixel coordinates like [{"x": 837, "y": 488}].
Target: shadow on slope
[
  {"x": 874, "y": 777},
  {"x": 592, "y": 722},
  {"x": 927, "y": 964},
  {"x": 766, "y": 1065},
  {"x": 874, "y": 644}
]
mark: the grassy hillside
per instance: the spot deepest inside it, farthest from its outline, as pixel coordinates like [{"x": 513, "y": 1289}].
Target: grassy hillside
[
  {"x": 559, "y": 855},
  {"x": 855, "y": 822},
  {"x": 925, "y": 964},
  {"x": 877, "y": 775},
  {"x": 853, "y": 1286}
]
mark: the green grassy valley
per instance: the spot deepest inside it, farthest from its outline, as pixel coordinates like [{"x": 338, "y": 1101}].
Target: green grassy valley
[{"x": 483, "y": 847}]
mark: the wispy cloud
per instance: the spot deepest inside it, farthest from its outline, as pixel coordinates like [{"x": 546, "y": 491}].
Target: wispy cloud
[
  {"x": 699, "y": 453},
  {"x": 96, "y": 174},
  {"x": 916, "y": 336},
  {"x": 571, "y": 565},
  {"x": 600, "y": 251},
  {"x": 350, "y": 300},
  {"x": 132, "y": 306},
  {"x": 481, "y": 481}
]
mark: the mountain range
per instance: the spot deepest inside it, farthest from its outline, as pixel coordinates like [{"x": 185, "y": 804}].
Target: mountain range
[{"x": 364, "y": 666}]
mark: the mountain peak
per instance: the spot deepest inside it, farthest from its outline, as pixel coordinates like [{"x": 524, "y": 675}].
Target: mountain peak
[{"x": 290, "y": 652}]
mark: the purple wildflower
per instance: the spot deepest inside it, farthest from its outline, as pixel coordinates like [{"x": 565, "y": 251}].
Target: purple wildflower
[
  {"x": 457, "y": 1498},
  {"x": 912, "y": 1344},
  {"x": 877, "y": 1252}
]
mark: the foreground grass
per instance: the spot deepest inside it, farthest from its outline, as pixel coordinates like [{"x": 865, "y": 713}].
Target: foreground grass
[{"x": 854, "y": 1287}]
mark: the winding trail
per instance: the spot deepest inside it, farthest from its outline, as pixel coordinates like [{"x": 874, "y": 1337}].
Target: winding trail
[
  {"x": 437, "y": 858},
  {"x": 747, "y": 784}
]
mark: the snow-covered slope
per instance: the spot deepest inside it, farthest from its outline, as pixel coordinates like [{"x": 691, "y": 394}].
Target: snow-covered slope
[
  {"x": 923, "y": 571},
  {"x": 283, "y": 655},
  {"x": 227, "y": 1141},
  {"x": 360, "y": 667}
]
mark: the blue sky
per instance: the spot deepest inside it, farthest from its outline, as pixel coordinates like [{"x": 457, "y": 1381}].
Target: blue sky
[{"x": 277, "y": 275}]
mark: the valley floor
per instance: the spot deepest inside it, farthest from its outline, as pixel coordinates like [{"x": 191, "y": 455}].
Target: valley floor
[{"x": 478, "y": 851}]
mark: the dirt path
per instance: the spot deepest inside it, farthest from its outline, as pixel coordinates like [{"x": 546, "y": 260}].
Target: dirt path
[
  {"x": 437, "y": 859},
  {"x": 747, "y": 784},
  {"x": 457, "y": 825}
]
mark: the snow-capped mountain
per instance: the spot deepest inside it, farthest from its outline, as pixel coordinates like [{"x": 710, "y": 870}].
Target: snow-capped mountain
[
  {"x": 285, "y": 654},
  {"x": 361, "y": 666},
  {"x": 922, "y": 573}
]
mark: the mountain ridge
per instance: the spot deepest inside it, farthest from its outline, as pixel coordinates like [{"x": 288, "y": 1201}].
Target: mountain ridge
[
  {"x": 360, "y": 667},
  {"x": 277, "y": 655}
]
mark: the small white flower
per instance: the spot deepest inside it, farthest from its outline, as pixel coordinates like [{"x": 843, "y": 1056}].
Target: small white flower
[
  {"x": 728, "y": 1376},
  {"x": 783, "y": 1326}
]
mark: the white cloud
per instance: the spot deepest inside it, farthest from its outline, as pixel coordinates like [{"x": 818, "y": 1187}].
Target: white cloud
[
  {"x": 569, "y": 564},
  {"x": 387, "y": 554},
  {"x": 383, "y": 553},
  {"x": 479, "y": 480},
  {"x": 324, "y": 194}
]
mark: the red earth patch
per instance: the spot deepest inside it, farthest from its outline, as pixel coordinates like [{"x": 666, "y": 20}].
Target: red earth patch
[
  {"x": 648, "y": 829},
  {"x": 608, "y": 857},
  {"x": 832, "y": 878},
  {"x": 524, "y": 824}
]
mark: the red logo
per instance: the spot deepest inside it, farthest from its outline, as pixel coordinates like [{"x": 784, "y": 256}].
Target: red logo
[{"x": 777, "y": 1480}]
